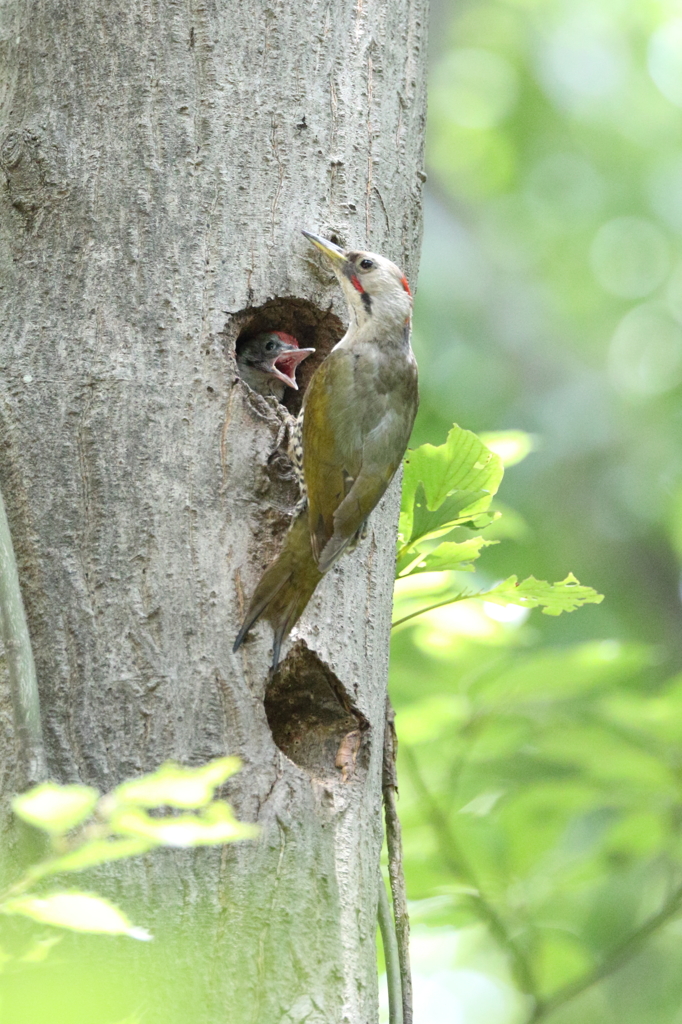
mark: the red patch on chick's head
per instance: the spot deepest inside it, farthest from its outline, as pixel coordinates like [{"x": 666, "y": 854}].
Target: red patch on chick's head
[{"x": 288, "y": 339}]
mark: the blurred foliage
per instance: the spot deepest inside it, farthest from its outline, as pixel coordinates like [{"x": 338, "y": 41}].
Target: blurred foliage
[
  {"x": 87, "y": 829},
  {"x": 541, "y": 757}
]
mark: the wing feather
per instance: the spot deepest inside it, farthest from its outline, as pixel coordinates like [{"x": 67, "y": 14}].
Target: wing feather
[
  {"x": 331, "y": 446},
  {"x": 357, "y": 422}
]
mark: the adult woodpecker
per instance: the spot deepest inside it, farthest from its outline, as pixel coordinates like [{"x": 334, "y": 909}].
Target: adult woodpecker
[
  {"x": 268, "y": 362},
  {"x": 356, "y": 421}
]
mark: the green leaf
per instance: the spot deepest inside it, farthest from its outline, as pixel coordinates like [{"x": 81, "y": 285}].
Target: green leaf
[
  {"x": 453, "y": 511},
  {"x": 553, "y": 598},
  {"x": 97, "y": 851},
  {"x": 55, "y": 809},
  {"x": 457, "y": 555},
  {"x": 78, "y": 911},
  {"x": 462, "y": 464},
  {"x": 217, "y": 824},
  {"x": 173, "y": 785}
]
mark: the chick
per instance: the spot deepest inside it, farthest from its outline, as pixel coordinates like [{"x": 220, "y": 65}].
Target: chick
[{"x": 268, "y": 361}]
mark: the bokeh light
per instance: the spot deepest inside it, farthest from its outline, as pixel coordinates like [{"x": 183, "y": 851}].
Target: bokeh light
[
  {"x": 645, "y": 355},
  {"x": 550, "y": 302},
  {"x": 629, "y": 256},
  {"x": 665, "y": 60}
]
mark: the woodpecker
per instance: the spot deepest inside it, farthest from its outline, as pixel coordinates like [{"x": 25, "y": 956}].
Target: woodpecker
[
  {"x": 268, "y": 362},
  {"x": 355, "y": 424}
]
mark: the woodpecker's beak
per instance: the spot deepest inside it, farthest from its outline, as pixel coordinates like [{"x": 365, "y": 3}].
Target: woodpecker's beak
[
  {"x": 332, "y": 251},
  {"x": 284, "y": 366}
]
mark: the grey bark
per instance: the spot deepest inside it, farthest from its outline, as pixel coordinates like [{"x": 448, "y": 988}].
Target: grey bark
[{"x": 159, "y": 161}]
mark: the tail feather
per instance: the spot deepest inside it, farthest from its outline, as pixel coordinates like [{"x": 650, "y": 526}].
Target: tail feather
[
  {"x": 259, "y": 602},
  {"x": 285, "y": 587},
  {"x": 283, "y": 627}
]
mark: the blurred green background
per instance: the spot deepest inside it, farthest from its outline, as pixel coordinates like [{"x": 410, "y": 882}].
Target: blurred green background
[{"x": 541, "y": 758}]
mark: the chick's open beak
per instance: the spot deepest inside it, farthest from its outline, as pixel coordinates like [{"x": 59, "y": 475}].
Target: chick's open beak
[{"x": 284, "y": 365}]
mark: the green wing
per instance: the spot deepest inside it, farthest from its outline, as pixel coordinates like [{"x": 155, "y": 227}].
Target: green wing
[
  {"x": 357, "y": 422},
  {"x": 332, "y": 447}
]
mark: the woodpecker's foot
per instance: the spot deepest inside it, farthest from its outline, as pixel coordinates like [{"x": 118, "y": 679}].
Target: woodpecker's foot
[
  {"x": 280, "y": 449},
  {"x": 287, "y": 452},
  {"x": 261, "y": 405},
  {"x": 283, "y": 451},
  {"x": 286, "y": 427}
]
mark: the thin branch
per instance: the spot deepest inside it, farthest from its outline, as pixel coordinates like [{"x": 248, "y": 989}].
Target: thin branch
[
  {"x": 441, "y": 604},
  {"x": 455, "y": 860},
  {"x": 618, "y": 956},
  {"x": 459, "y": 764},
  {"x": 20, "y": 665},
  {"x": 395, "y": 861},
  {"x": 390, "y": 941}
]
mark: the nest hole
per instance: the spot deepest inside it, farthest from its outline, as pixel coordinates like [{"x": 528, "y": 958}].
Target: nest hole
[
  {"x": 311, "y": 326},
  {"x": 312, "y": 719}
]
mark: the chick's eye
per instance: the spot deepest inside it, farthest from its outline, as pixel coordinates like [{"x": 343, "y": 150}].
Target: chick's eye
[
  {"x": 271, "y": 346},
  {"x": 366, "y": 264}
]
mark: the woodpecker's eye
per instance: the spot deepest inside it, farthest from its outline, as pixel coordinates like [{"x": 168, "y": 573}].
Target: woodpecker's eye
[
  {"x": 271, "y": 346},
  {"x": 366, "y": 264}
]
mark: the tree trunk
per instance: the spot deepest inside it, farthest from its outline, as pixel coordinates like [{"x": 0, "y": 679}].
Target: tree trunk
[{"x": 159, "y": 162}]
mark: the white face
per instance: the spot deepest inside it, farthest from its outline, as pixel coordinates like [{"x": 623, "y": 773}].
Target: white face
[
  {"x": 375, "y": 288},
  {"x": 376, "y": 274}
]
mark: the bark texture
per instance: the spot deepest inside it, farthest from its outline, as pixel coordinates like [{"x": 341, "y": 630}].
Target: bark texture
[{"x": 159, "y": 159}]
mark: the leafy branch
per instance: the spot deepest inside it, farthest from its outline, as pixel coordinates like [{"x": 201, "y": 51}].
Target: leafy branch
[
  {"x": 456, "y": 862},
  {"x": 616, "y": 959},
  {"x": 86, "y": 828},
  {"x": 447, "y": 493},
  {"x": 553, "y": 598},
  {"x": 445, "y": 511}
]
